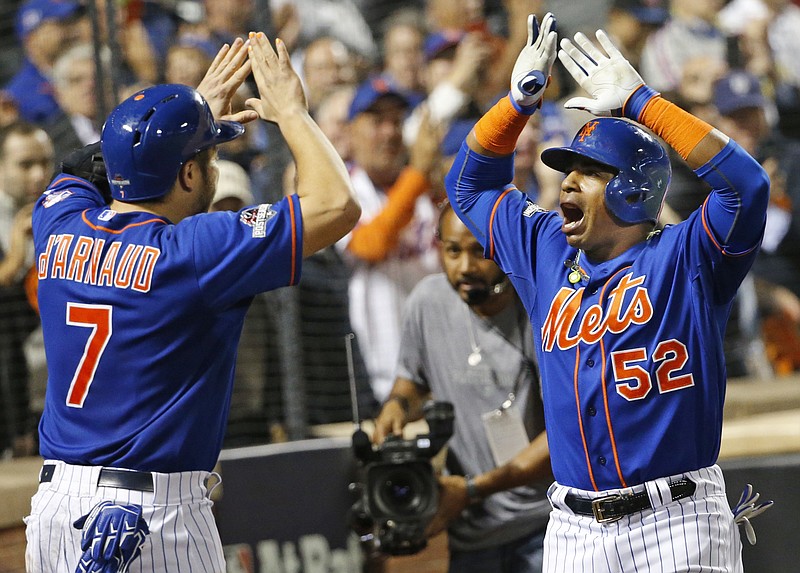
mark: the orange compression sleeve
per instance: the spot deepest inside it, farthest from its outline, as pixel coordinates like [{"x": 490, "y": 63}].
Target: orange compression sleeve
[
  {"x": 680, "y": 129},
  {"x": 374, "y": 241},
  {"x": 499, "y": 128}
]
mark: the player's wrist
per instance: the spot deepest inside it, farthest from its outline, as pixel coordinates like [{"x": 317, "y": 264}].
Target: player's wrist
[
  {"x": 637, "y": 101},
  {"x": 524, "y": 104}
]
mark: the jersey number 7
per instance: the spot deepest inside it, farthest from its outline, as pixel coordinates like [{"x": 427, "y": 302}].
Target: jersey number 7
[{"x": 98, "y": 318}]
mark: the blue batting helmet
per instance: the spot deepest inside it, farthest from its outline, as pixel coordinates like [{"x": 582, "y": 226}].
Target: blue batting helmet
[
  {"x": 150, "y": 135},
  {"x": 635, "y": 194}
]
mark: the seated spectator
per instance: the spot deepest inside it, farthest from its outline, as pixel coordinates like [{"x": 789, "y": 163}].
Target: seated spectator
[
  {"x": 77, "y": 91},
  {"x": 45, "y": 28}
]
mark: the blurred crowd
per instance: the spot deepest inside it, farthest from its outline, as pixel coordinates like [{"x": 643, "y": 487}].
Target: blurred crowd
[{"x": 396, "y": 86}]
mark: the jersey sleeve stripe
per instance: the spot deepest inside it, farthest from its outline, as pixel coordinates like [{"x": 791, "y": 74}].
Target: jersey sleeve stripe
[
  {"x": 491, "y": 221},
  {"x": 711, "y": 236},
  {"x": 605, "y": 389},
  {"x": 580, "y": 417},
  {"x": 61, "y": 180},
  {"x": 118, "y": 231},
  {"x": 292, "y": 217}
]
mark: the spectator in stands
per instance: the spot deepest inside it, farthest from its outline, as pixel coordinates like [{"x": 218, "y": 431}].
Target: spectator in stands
[
  {"x": 331, "y": 117},
  {"x": 403, "y": 53},
  {"x": 392, "y": 246},
  {"x": 630, "y": 23},
  {"x": 26, "y": 163},
  {"x": 691, "y": 31},
  {"x": 186, "y": 63},
  {"x": 77, "y": 92},
  {"x": 300, "y": 22},
  {"x": 227, "y": 19},
  {"x": 466, "y": 339},
  {"x": 452, "y": 76},
  {"x": 45, "y": 28},
  {"x": 453, "y": 16},
  {"x": 327, "y": 65},
  {"x": 744, "y": 114}
]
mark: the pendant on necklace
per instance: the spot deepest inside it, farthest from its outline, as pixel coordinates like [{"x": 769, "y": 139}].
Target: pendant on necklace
[
  {"x": 474, "y": 358},
  {"x": 574, "y": 277}
]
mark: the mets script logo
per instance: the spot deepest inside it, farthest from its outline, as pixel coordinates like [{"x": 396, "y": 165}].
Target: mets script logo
[
  {"x": 257, "y": 218},
  {"x": 587, "y": 130},
  {"x": 564, "y": 327}
]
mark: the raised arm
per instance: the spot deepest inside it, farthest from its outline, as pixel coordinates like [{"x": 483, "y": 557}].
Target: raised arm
[
  {"x": 486, "y": 163},
  {"x": 328, "y": 204},
  {"x": 736, "y": 211},
  {"x": 223, "y": 78}
]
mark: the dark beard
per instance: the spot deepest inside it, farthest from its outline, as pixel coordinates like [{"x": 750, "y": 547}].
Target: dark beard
[{"x": 477, "y": 297}]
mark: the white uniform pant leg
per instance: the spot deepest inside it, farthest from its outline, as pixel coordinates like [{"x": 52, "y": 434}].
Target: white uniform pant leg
[
  {"x": 183, "y": 533},
  {"x": 689, "y": 535}
]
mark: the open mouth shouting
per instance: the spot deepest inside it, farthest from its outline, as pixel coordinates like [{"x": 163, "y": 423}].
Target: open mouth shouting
[{"x": 573, "y": 218}]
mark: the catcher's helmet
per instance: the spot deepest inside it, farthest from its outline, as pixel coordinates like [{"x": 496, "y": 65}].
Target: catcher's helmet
[
  {"x": 150, "y": 135},
  {"x": 635, "y": 194}
]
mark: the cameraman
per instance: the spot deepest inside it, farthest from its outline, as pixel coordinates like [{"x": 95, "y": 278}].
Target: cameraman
[{"x": 470, "y": 343}]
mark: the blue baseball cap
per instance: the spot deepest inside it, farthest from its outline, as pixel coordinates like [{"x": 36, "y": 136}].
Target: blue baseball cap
[
  {"x": 438, "y": 42},
  {"x": 33, "y": 12},
  {"x": 370, "y": 91},
  {"x": 738, "y": 90}
]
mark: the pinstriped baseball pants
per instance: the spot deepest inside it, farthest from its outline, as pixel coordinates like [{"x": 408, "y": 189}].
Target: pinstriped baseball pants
[
  {"x": 183, "y": 534},
  {"x": 692, "y": 535}
]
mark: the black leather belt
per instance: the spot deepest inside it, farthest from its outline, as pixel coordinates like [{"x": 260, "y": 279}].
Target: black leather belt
[
  {"x": 110, "y": 477},
  {"x": 614, "y": 507}
]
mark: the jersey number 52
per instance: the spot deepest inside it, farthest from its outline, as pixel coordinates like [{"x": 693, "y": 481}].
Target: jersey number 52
[
  {"x": 672, "y": 356},
  {"x": 98, "y": 318}
]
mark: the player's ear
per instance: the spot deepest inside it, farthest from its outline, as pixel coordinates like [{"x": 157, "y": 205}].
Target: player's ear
[{"x": 189, "y": 175}]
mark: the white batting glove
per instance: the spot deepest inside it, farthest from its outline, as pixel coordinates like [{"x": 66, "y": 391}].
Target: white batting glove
[
  {"x": 532, "y": 68},
  {"x": 746, "y": 509},
  {"x": 608, "y": 77}
]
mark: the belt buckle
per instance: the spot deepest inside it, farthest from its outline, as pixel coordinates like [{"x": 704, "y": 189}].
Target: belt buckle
[{"x": 598, "y": 511}]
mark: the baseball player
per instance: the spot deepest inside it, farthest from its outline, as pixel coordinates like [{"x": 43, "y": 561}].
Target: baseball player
[
  {"x": 142, "y": 302},
  {"x": 628, "y": 321}
]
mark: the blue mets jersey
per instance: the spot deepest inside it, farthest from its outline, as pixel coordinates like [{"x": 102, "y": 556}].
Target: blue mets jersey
[
  {"x": 141, "y": 322},
  {"x": 631, "y": 358}
]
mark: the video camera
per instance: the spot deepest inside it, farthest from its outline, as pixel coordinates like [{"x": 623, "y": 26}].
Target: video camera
[{"x": 398, "y": 493}]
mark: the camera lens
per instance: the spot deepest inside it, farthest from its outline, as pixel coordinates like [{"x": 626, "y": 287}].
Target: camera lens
[{"x": 402, "y": 490}]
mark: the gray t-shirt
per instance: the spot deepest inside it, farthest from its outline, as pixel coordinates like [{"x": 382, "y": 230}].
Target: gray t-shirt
[{"x": 439, "y": 334}]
